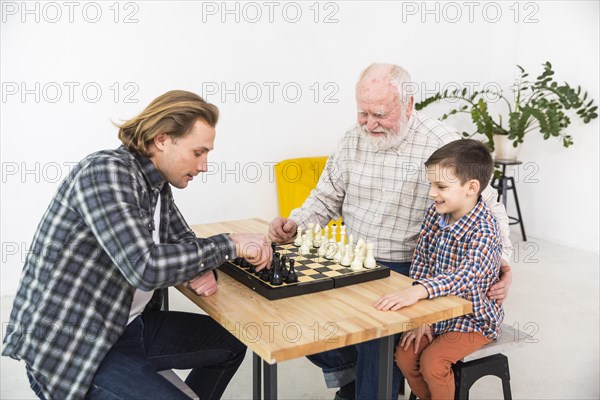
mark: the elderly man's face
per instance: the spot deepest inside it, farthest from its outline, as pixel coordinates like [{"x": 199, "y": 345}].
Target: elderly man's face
[
  {"x": 379, "y": 109},
  {"x": 381, "y": 114}
]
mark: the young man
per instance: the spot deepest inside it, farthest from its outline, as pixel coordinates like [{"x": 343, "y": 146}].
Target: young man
[
  {"x": 86, "y": 318},
  {"x": 458, "y": 253},
  {"x": 375, "y": 181}
]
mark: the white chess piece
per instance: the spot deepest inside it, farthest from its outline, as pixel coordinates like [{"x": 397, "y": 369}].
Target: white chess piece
[
  {"x": 369, "y": 262},
  {"x": 318, "y": 237},
  {"x": 334, "y": 232},
  {"x": 310, "y": 232},
  {"x": 351, "y": 241},
  {"x": 326, "y": 234},
  {"x": 298, "y": 241},
  {"x": 338, "y": 254},
  {"x": 323, "y": 248},
  {"x": 330, "y": 250},
  {"x": 304, "y": 248},
  {"x": 357, "y": 264},
  {"x": 347, "y": 258}
]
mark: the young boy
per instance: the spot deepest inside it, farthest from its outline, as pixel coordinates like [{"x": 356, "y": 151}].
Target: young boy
[{"x": 458, "y": 253}]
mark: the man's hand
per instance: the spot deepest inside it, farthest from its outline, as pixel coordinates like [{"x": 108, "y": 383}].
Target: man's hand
[
  {"x": 499, "y": 290},
  {"x": 204, "y": 285},
  {"x": 282, "y": 230},
  {"x": 402, "y": 298},
  {"x": 254, "y": 248},
  {"x": 415, "y": 335}
]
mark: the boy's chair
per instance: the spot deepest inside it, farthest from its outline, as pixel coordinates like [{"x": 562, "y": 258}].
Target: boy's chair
[
  {"x": 487, "y": 361},
  {"x": 295, "y": 179}
]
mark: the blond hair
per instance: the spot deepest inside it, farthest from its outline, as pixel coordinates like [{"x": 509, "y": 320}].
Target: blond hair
[{"x": 173, "y": 113}]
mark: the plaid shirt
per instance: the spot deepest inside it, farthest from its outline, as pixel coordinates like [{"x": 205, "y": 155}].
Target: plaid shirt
[
  {"x": 92, "y": 249},
  {"x": 383, "y": 195},
  {"x": 462, "y": 259}
]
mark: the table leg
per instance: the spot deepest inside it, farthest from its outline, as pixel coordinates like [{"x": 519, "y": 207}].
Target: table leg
[
  {"x": 270, "y": 371},
  {"x": 256, "y": 372},
  {"x": 386, "y": 351}
]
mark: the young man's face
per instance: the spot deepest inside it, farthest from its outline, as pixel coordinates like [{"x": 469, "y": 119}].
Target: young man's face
[
  {"x": 449, "y": 194},
  {"x": 180, "y": 160}
]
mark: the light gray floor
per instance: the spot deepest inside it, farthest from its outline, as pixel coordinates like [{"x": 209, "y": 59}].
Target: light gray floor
[{"x": 554, "y": 297}]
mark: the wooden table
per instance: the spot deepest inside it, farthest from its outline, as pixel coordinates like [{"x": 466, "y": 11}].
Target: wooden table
[{"x": 284, "y": 329}]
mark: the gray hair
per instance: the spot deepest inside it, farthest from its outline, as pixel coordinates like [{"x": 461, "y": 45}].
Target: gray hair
[{"x": 399, "y": 78}]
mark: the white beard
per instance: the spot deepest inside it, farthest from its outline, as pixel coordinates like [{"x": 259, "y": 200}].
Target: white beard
[{"x": 389, "y": 139}]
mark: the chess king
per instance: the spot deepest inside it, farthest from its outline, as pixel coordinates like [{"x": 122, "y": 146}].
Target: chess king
[{"x": 376, "y": 181}]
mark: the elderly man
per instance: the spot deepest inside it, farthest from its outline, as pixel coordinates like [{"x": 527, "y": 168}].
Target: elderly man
[{"x": 375, "y": 180}]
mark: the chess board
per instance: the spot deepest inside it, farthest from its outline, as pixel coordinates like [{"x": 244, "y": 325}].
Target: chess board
[{"x": 315, "y": 274}]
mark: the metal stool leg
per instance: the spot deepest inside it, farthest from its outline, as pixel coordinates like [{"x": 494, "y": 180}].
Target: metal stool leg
[{"x": 514, "y": 189}]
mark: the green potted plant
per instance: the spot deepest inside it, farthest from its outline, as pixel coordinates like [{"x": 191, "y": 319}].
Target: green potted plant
[{"x": 541, "y": 105}]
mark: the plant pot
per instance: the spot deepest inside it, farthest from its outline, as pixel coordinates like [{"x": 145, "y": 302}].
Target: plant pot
[{"x": 504, "y": 149}]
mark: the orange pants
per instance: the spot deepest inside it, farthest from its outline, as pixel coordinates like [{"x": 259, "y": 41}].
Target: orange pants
[{"x": 429, "y": 371}]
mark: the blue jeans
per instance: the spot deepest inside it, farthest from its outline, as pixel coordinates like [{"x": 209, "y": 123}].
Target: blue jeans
[
  {"x": 359, "y": 362},
  {"x": 161, "y": 340}
]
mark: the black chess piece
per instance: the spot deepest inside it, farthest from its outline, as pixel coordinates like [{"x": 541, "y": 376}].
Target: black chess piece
[
  {"x": 276, "y": 278},
  {"x": 284, "y": 270},
  {"x": 264, "y": 275},
  {"x": 273, "y": 245},
  {"x": 292, "y": 277}
]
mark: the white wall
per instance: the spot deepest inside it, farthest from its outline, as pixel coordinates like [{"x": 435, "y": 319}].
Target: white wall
[{"x": 48, "y": 49}]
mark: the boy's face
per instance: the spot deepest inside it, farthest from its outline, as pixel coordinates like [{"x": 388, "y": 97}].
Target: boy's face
[{"x": 449, "y": 194}]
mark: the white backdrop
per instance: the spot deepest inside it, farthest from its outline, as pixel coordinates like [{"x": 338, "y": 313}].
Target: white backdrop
[{"x": 283, "y": 75}]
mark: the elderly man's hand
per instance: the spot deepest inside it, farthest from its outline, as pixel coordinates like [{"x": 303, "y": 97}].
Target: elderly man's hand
[
  {"x": 499, "y": 290},
  {"x": 282, "y": 230}
]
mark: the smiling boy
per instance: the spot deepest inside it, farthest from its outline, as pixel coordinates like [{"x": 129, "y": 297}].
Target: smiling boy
[{"x": 458, "y": 253}]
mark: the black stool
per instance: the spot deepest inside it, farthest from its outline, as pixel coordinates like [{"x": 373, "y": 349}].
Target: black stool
[
  {"x": 503, "y": 185},
  {"x": 467, "y": 373}
]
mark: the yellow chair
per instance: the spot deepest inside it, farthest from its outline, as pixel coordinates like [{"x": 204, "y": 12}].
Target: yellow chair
[{"x": 295, "y": 179}]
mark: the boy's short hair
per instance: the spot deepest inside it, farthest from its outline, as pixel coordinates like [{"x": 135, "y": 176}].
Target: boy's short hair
[
  {"x": 469, "y": 158},
  {"x": 173, "y": 113}
]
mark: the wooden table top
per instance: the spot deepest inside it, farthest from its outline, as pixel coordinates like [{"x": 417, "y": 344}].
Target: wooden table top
[{"x": 284, "y": 329}]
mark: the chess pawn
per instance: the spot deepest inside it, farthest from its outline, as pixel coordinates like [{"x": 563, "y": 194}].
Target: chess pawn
[
  {"x": 369, "y": 262},
  {"x": 330, "y": 250},
  {"x": 298, "y": 241},
  {"x": 292, "y": 277},
  {"x": 357, "y": 264},
  {"x": 334, "y": 232},
  {"x": 361, "y": 246},
  {"x": 323, "y": 248},
  {"x": 310, "y": 232},
  {"x": 304, "y": 248},
  {"x": 284, "y": 270},
  {"x": 347, "y": 257},
  {"x": 276, "y": 279},
  {"x": 318, "y": 237},
  {"x": 338, "y": 254}
]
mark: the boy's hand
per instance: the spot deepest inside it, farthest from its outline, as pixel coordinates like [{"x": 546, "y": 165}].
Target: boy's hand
[
  {"x": 402, "y": 298},
  {"x": 415, "y": 335},
  {"x": 499, "y": 290}
]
